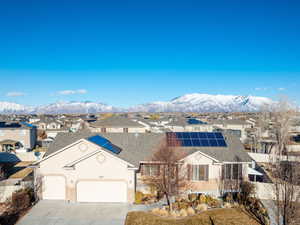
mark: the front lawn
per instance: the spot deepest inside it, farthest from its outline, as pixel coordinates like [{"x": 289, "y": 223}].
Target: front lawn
[{"x": 234, "y": 216}]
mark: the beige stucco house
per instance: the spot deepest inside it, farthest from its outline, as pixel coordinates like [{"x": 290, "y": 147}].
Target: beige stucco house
[
  {"x": 237, "y": 126},
  {"x": 17, "y": 137},
  {"x": 117, "y": 124},
  {"x": 109, "y": 167}
]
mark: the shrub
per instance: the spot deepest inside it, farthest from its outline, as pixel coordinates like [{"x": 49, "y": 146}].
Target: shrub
[
  {"x": 202, "y": 199},
  {"x": 247, "y": 189},
  {"x": 139, "y": 197},
  {"x": 228, "y": 197},
  {"x": 257, "y": 209},
  {"x": 192, "y": 197},
  {"x": 20, "y": 200},
  {"x": 175, "y": 205},
  {"x": 214, "y": 203},
  {"x": 183, "y": 205}
]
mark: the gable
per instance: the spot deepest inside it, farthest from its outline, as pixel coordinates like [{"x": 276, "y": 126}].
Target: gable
[
  {"x": 101, "y": 165},
  {"x": 75, "y": 153},
  {"x": 199, "y": 158}
]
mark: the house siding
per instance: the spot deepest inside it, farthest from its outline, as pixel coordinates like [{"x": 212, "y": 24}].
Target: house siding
[
  {"x": 27, "y": 136},
  {"x": 119, "y": 129},
  {"x": 99, "y": 167}
]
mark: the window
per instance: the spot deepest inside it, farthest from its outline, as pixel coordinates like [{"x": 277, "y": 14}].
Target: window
[
  {"x": 103, "y": 130},
  {"x": 232, "y": 171},
  {"x": 199, "y": 172},
  {"x": 150, "y": 170},
  {"x": 125, "y": 130}
]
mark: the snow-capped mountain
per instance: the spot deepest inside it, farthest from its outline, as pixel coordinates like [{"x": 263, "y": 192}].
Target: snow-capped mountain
[
  {"x": 186, "y": 103},
  {"x": 57, "y": 108},
  {"x": 206, "y": 103},
  {"x": 10, "y": 107},
  {"x": 75, "y": 107}
]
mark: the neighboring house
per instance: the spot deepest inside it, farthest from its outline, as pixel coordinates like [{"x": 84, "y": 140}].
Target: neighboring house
[
  {"x": 49, "y": 124},
  {"x": 7, "y": 161},
  {"x": 117, "y": 124},
  {"x": 108, "y": 167},
  {"x": 17, "y": 137},
  {"x": 237, "y": 127},
  {"x": 14, "y": 175},
  {"x": 181, "y": 124}
]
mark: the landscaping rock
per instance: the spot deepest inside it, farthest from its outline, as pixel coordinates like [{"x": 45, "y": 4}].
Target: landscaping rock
[
  {"x": 190, "y": 211},
  {"x": 163, "y": 212},
  {"x": 183, "y": 213},
  {"x": 236, "y": 205},
  {"x": 174, "y": 214},
  {"x": 227, "y": 205},
  {"x": 155, "y": 211},
  {"x": 193, "y": 197},
  {"x": 201, "y": 207}
]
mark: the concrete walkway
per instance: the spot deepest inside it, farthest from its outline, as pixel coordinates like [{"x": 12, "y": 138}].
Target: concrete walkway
[{"x": 63, "y": 213}]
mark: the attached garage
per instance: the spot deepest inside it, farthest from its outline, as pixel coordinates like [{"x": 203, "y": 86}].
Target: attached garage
[
  {"x": 54, "y": 187},
  {"x": 101, "y": 191}
]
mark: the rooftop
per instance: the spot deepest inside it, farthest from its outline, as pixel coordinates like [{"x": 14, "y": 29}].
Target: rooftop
[{"x": 140, "y": 147}]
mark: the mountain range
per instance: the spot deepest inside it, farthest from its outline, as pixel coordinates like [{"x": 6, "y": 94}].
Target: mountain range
[{"x": 186, "y": 103}]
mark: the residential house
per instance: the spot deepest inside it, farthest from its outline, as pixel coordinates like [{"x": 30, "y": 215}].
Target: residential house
[
  {"x": 117, "y": 124},
  {"x": 14, "y": 175},
  {"x": 237, "y": 127},
  {"x": 51, "y": 125},
  {"x": 17, "y": 137},
  {"x": 181, "y": 124},
  {"x": 108, "y": 167},
  {"x": 46, "y": 123}
]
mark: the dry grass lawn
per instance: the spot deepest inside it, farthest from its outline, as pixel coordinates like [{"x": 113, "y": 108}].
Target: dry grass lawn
[{"x": 212, "y": 217}]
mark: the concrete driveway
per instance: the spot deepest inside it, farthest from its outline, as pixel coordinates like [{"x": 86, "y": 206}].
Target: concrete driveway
[{"x": 62, "y": 213}]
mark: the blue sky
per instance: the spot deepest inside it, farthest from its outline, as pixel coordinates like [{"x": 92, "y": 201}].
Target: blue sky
[{"x": 129, "y": 52}]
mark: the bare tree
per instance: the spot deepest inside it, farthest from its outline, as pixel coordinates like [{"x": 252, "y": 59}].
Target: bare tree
[
  {"x": 172, "y": 176},
  {"x": 284, "y": 168}
]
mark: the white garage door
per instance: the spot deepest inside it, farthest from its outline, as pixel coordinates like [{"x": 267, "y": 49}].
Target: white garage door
[
  {"x": 101, "y": 191},
  {"x": 54, "y": 187}
]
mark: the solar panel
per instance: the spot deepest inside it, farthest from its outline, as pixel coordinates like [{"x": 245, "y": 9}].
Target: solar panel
[
  {"x": 194, "y": 135},
  {"x": 102, "y": 142},
  {"x": 196, "y": 139},
  {"x": 219, "y": 135}
]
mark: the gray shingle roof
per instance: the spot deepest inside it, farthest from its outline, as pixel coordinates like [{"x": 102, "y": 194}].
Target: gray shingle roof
[
  {"x": 116, "y": 121},
  {"x": 140, "y": 147}
]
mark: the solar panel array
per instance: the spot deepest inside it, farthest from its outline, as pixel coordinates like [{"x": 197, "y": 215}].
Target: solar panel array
[
  {"x": 103, "y": 142},
  {"x": 196, "y": 139}
]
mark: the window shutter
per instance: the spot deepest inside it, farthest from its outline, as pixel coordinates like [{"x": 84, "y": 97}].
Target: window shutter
[
  {"x": 189, "y": 171},
  {"x": 158, "y": 170},
  {"x": 206, "y": 172}
]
